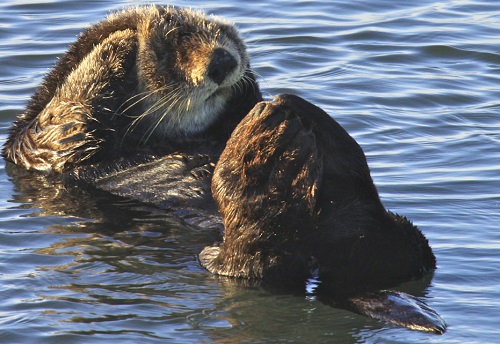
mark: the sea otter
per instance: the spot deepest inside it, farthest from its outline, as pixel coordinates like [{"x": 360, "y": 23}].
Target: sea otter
[
  {"x": 142, "y": 106},
  {"x": 148, "y": 79}
]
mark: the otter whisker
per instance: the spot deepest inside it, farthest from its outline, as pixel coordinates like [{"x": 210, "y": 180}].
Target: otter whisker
[
  {"x": 255, "y": 74},
  {"x": 249, "y": 71},
  {"x": 144, "y": 95},
  {"x": 245, "y": 82},
  {"x": 172, "y": 99},
  {"x": 149, "y": 93},
  {"x": 151, "y": 109}
]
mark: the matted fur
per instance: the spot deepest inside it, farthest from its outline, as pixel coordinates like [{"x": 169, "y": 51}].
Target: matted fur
[{"x": 140, "y": 78}]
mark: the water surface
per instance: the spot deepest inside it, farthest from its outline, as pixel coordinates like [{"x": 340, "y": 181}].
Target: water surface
[{"x": 416, "y": 83}]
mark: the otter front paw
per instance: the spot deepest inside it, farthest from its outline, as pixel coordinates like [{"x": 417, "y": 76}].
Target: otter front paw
[{"x": 57, "y": 139}]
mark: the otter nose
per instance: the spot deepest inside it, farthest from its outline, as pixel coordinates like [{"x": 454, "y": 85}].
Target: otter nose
[{"x": 221, "y": 65}]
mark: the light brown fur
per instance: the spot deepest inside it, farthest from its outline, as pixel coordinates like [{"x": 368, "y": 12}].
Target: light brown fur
[{"x": 146, "y": 78}]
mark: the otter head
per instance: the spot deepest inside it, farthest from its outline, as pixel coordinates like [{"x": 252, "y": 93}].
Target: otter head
[{"x": 189, "y": 66}]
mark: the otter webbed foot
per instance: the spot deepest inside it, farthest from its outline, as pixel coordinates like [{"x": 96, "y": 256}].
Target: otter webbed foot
[
  {"x": 265, "y": 184},
  {"x": 172, "y": 180},
  {"x": 397, "y": 308}
]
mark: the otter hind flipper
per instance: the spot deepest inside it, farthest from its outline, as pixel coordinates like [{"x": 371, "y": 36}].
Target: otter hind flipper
[
  {"x": 177, "y": 179},
  {"x": 397, "y": 308}
]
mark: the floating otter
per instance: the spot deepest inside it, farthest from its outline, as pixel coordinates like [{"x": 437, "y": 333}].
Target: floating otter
[
  {"x": 153, "y": 78},
  {"x": 143, "y": 104}
]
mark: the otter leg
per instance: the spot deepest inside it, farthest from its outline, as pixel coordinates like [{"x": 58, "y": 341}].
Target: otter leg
[
  {"x": 265, "y": 184},
  {"x": 168, "y": 182},
  {"x": 397, "y": 308},
  {"x": 65, "y": 132}
]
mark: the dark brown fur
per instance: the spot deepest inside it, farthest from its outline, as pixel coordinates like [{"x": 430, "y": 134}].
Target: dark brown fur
[{"x": 295, "y": 192}]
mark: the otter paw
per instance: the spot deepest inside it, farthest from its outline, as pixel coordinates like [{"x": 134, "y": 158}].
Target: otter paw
[{"x": 208, "y": 258}]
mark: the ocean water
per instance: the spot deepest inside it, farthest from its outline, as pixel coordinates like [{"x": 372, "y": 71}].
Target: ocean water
[{"x": 416, "y": 83}]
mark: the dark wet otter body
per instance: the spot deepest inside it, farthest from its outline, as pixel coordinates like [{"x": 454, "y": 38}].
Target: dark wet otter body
[
  {"x": 295, "y": 194},
  {"x": 143, "y": 104},
  {"x": 154, "y": 79},
  {"x": 294, "y": 191}
]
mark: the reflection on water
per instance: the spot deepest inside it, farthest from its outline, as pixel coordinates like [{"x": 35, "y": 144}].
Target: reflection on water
[{"x": 416, "y": 83}]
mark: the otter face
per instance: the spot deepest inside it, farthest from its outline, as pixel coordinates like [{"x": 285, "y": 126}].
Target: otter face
[{"x": 188, "y": 66}]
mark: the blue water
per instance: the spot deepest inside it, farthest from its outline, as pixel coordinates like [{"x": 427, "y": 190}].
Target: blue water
[{"x": 416, "y": 83}]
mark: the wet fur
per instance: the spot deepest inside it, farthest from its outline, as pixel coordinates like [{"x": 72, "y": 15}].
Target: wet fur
[
  {"x": 293, "y": 188},
  {"x": 132, "y": 82},
  {"x": 295, "y": 193}
]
